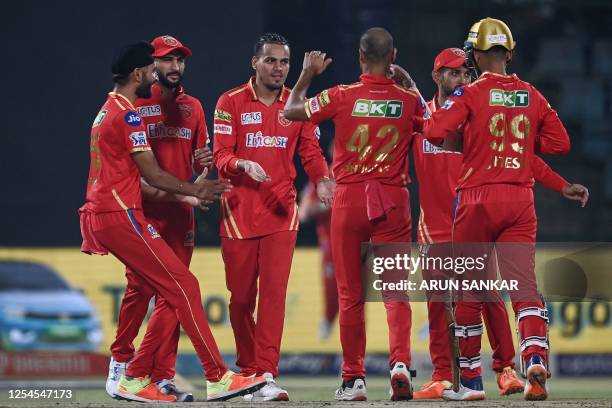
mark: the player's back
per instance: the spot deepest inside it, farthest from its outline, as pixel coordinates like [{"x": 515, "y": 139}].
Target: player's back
[
  {"x": 374, "y": 123},
  {"x": 506, "y": 118}
]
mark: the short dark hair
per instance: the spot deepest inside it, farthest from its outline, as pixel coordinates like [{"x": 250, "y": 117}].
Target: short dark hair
[
  {"x": 377, "y": 45},
  {"x": 498, "y": 52},
  {"x": 269, "y": 38}
]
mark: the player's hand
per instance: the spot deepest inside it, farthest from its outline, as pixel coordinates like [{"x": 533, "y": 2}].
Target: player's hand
[
  {"x": 254, "y": 170},
  {"x": 210, "y": 190},
  {"x": 576, "y": 192},
  {"x": 325, "y": 190},
  {"x": 400, "y": 76},
  {"x": 315, "y": 62},
  {"x": 203, "y": 156},
  {"x": 197, "y": 203}
]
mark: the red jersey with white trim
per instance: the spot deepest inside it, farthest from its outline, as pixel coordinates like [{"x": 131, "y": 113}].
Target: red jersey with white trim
[
  {"x": 506, "y": 121},
  {"x": 246, "y": 128},
  {"x": 374, "y": 126},
  {"x": 175, "y": 128},
  {"x": 114, "y": 178},
  {"x": 438, "y": 172}
]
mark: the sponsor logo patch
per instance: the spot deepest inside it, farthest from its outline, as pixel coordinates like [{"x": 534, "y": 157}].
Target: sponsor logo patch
[
  {"x": 448, "y": 104},
  {"x": 223, "y": 129},
  {"x": 250, "y": 118},
  {"x": 317, "y": 132},
  {"x": 378, "y": 108},
  {"x": 132, "y": 119},
  {"x": 99, "y": 118},
  {"x": 458, "y": 92},
  {"x": 429, "y": 148},
  {"x": 153, "y": 231},
  {"x": 313, "y": 105},
  {"x": 259, "y": 140},
  {"x": 149, "y": 110},
  {"x": 324, "y": 98},
  {"x": 159, "y": 130},
  {"x": 497, "y": 38},
  {"x": 138, "y": 138},
  {"x": 223, "y": 115},
  {"x": 282, "y": 120},
  {"x": 510, "y": 99}
]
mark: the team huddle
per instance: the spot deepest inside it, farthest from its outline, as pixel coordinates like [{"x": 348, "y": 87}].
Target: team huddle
[{"x": 474, "y": 147}]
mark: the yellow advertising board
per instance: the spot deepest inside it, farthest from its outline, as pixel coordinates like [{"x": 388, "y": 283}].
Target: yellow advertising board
[{"x": 576, "y": 327}]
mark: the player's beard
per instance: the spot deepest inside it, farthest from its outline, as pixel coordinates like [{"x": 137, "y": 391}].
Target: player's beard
[
  {"x": 449, "y": 90},
  {"x": 163, "y": 80},
  {"x": 144, "y": 90}
]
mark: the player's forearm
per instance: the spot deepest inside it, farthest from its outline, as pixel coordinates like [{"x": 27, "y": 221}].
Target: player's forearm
[
  {"x": 166, "y": 182},
  {"x": 151, "y": 193},
  {"x": 546, "y": 176},
  {"x": 295, "y": 109},
  {"x": 226, "y": 161}
]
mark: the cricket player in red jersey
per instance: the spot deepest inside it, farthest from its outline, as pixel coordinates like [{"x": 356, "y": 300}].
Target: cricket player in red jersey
[
  {"x": 438, "y": 171},
  {"x": 112, "y": 220},
  {"x": 506, "y": 121},
  {"x": 374, "y": 125},
  {"x": 176, "y": 128},
  {"x": 254, "y": 147}
]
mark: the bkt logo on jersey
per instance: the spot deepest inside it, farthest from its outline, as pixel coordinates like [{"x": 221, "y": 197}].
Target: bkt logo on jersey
[
  {"x": 378, "y": 109},
  {"x": 149, "y": 110},
  {"x": 259, "y": 140},
  {"x": 132, "y": 119},
  {"x": 138, "y": 138},
  {"x": 250, "y": 118},
  {"x": 509, "y": 99}
]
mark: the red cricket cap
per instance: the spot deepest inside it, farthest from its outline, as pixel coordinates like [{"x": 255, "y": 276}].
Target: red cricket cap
[
  {"x": 165, "y": 44},
  {"x": 449, "y": 58}
]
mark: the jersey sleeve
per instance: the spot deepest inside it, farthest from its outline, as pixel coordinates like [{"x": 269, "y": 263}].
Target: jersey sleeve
[
  {"x": 546, "y": 176},
  {"x": 311, "y": 154},
  {"x": 224, "y": 145},
  {"x": 131, "y": 131},
  {"x": 551, "y": 137},
  {"x": 201, "y": 135},
  {"x": 448, "y": 118},
  {"x": 324, "y": 105}
]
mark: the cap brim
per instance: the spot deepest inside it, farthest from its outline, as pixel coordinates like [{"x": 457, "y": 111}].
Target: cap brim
[{"x": 165, "y": 51}]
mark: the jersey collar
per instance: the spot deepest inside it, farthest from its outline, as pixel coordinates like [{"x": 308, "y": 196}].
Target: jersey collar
[
  {"x": 499, "y": 77},
  {"x": 122, "y": 98},
  {"x": 281, "y": 97},
  {"x": 375, "y": 79}
]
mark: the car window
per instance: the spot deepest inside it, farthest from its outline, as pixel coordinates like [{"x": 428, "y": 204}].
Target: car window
[{"x": 29, "y": 276}]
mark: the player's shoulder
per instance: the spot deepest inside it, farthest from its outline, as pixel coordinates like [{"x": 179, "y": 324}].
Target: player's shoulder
[
  {"x": 349, "y": 87},
  {"x": 237, "y": 92},
  {"x": 118, "y": 109}
]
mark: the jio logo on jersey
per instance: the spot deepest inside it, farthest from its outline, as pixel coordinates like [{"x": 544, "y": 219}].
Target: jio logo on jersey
[{"x": 132, "y": 119}]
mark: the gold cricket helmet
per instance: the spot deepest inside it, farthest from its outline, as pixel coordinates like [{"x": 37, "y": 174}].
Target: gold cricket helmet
[{"x": 489, "y": 32}]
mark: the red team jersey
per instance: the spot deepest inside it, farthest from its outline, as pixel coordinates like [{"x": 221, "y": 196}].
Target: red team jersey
[
  {"x": 366, "y": 147},
  {"x": 506, "y": 121},
  {"x": 246, "y": 128},
  {"x": 114, "y": 179},
  {"x": 438, "y": 171},
  {"x": 175, "y": 128}
]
